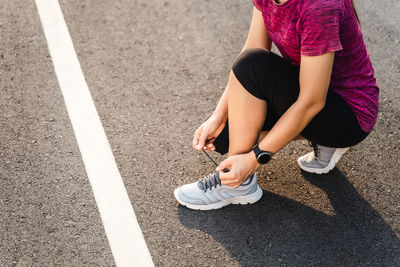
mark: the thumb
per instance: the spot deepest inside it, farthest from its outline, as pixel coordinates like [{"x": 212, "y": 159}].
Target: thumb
[
  {"x": 202, "y": 139},
  {"x": 225, "y": 165}
]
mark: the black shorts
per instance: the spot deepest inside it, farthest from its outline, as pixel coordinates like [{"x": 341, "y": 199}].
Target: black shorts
[{"x": 270, "y": 77}]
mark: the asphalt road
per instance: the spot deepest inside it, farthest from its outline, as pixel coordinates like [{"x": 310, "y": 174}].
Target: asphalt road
[{"x": 155, "y": 70}]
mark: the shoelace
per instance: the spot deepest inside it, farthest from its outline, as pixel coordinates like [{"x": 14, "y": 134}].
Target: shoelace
[
  {"x": 315, "y": 148},
  {"x": 213, "y": 161},
  {"x": 209, "y": 181}
]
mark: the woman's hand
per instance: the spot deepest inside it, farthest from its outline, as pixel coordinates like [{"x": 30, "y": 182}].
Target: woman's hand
[
  {"x": 240, "y": 168},
  {"x": 210, "y": 129}
]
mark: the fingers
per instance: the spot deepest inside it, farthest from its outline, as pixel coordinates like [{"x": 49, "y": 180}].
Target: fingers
[
  {"x": 199, "y": 140},
  {"x": 209, "y": 147},
  {"x": 223, "y": 167},
  {"x": 228, "y": 178},
  {"x": 202, "y": 140},
  {"x": 226, "y": 164},
  {"x": 196, "y": 137},
  {"x": 237, "y": 171}
]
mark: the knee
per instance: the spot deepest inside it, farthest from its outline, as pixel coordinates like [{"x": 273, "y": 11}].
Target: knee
[
  {"x": 251, "y": 68},
  {"x": 251, "y": 60}
]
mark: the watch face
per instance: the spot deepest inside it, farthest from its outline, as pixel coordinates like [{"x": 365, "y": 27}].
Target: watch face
[{"x": 264, "y": 158}]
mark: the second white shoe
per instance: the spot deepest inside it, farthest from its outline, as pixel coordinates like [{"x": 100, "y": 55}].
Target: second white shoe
[{"x": 321, "y": 160}]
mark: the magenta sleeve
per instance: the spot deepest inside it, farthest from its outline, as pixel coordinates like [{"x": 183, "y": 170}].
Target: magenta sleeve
[
  {"x": 258, "y": 4},
  {"x": 319, "y": 31}
]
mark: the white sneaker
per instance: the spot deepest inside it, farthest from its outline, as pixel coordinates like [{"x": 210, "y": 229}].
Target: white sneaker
[
  {"x": 321, "y": 160},
  {"x": 209, "y": 193}
]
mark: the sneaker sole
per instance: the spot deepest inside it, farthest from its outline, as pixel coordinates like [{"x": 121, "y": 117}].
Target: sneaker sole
[
  {"x": 243, "y": 200},
  {"x": 332, "y": 163}
]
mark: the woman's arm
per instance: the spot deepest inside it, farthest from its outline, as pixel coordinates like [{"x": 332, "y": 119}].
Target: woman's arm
[
  {"x": 257, "y": 37},
  {"x": 315, "y": 75}
]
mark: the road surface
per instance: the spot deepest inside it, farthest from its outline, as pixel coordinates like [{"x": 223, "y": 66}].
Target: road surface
[{"x": 155, "y": 70}]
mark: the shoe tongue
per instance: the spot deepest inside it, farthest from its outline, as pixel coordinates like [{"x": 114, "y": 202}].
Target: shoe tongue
[
  {"x": 326, "y": 153},
  {"x": 209, "y": 181}
]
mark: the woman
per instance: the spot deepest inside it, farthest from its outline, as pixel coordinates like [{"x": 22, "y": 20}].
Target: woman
[{"x": 322, "y": 88}]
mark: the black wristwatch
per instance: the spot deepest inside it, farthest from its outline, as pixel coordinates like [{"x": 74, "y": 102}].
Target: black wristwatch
[{"x": 263, "y": 157}]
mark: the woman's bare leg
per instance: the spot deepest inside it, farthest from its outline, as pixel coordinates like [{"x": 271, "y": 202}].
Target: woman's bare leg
[{"x": 246, "y": 116}]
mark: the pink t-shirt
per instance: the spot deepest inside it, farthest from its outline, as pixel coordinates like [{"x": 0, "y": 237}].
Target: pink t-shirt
[{"x": 315, "y": 27}]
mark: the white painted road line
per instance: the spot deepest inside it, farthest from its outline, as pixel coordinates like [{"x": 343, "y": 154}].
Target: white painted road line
[{"x": 122, "y": 229}]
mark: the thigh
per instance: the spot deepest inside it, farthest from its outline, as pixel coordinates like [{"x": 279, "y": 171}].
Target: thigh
[{"x": 269, "y": 77}]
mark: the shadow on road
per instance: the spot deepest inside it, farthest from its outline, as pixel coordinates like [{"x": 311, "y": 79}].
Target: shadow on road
[{"x": 278, "y": 230}]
